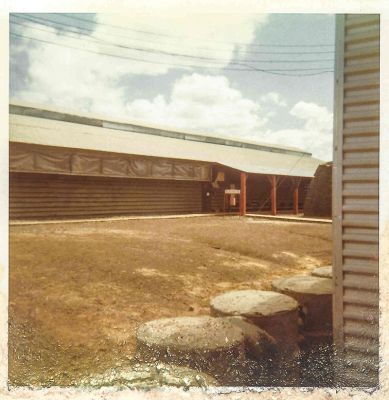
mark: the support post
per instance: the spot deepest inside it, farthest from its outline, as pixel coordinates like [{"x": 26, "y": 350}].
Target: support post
[
  {"x": 273, "y": 195},
  {"x": 243, "y": 197},
  {"x": 296, "y": 184}
]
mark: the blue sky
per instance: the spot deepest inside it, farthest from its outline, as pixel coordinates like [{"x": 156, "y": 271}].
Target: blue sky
[{"x": 178, "y": 70}]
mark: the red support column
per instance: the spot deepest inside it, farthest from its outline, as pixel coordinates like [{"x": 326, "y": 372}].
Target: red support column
[
  {"x": 243, "y": 197},
  {"x": 296, "y": 200},
  {"x": 296, "y": 184},
  {"x": 273, "y": 195}
]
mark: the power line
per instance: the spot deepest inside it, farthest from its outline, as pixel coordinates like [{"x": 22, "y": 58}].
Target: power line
[
  {"x": 251, "y": 68},
  {"x": 89, "y": 30},
  {"x": 177, "y": 54},
  {"x": 322, "y": 70},
  {"x": 148, "y": 50},
  {"x": 179, "y": 38}
]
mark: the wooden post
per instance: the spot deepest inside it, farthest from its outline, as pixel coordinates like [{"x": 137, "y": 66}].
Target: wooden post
[
  {"x": 296, "y": 184},
  {"x": 242, "y": 202},
  {"x": 273, "y": 195}
]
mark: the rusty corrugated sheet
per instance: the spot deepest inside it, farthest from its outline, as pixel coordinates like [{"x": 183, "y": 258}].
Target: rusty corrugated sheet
[{"x": 355, "y": 199}]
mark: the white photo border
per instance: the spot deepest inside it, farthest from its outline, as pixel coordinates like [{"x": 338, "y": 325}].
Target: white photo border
[{"x": 213, "y": 6}]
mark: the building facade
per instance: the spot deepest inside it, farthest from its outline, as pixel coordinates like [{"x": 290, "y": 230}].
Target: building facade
[{"x": 64, "y": 165}]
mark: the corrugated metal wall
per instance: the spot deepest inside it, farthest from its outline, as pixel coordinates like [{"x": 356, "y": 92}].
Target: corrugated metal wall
[
  {"x": 355, "y": 199},
  {"x": 35, "y": 196}
]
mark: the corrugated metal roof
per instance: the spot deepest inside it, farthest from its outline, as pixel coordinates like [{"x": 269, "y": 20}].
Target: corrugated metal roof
[
  {"x": 137, "y": 126},
  {"x": 51, "y": 132}
]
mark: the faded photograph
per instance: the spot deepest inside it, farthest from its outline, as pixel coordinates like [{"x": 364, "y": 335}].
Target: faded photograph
[{"x": 193, "y": 200}]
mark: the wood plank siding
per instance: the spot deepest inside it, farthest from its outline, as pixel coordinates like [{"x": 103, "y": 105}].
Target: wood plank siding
[
  {"x": 39, "y": 196},
  {"x": 355, "y": 199}
]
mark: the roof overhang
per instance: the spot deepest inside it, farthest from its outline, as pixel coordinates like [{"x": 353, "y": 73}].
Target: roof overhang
[{"x": 49, "y": 132}]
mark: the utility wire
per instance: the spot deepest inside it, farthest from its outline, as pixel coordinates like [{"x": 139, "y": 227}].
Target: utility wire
[
  {"x": 89, "y": 31},
  {"x": 180, "y": 38},
  {"x": 270, "y": 71},
  {"x": 172, "y": 54}
]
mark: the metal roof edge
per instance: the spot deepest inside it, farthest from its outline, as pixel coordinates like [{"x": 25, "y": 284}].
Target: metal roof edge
[{"x": 66, "y": 115}]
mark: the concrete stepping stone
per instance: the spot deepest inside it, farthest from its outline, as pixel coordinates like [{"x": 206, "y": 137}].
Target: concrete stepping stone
[
  {"x": 204, "y": 343},
  {"x": 323, "y": 272},
  {"x": 314, "y": 295},
  {"x": 273, "y": 312}
]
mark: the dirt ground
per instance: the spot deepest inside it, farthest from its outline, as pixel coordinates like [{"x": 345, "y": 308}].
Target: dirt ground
[{"x": 79, "y": 291}]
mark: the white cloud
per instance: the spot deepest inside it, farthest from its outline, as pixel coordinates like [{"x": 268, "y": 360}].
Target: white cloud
[
  {"x": 316, "y": 134},
  {"x": 70, "y": 78},
  {"x": 207, "y": 36},
  {"x": 202, "y": 38},
  {"x": 316, "y": 117},
  {"x": 206, "y": 103},
  {"x": 202, "y": 103},
  {"x": 273, "y": 98},
  {"x": 66, "y": 76}
]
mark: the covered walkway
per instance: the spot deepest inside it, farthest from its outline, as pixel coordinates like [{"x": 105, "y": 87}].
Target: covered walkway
[{"x": 266, "y": 194}]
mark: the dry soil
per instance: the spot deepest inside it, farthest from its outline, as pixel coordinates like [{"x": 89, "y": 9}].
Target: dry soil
[{"x": 79, "y": 291}]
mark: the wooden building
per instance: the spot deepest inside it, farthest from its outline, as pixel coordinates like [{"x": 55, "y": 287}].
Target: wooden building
[{"x": 64, "y": 165}]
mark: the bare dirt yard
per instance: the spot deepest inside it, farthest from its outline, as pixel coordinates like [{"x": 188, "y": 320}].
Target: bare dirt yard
[{"x": 79, "y": 291}]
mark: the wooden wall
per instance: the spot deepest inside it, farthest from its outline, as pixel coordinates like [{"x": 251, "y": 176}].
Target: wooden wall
[{"x": 39, "y": 196}]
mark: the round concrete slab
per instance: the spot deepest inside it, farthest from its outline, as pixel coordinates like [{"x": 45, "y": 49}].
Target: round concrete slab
[
  {"x": 273, "y": 312},
  {"x": 314, "y": 295},
  {"x": 303, "y": 284},
  {"x": 252, "y": 303},
  {"x": 323, "y": 272},
  {"x": 185, "y": 333},
  {"x": 203, "y": 343}
]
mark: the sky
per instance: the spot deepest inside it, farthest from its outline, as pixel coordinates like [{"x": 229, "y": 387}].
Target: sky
[{"x": 262, "y": 77}]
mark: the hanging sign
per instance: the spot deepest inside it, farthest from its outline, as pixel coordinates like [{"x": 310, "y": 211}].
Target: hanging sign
[{"x": 232, "y": 191}]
